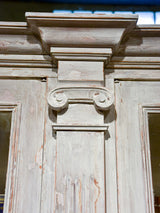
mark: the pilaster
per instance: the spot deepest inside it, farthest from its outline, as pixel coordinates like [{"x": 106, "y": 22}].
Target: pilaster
[{"x": 80, "y": 47}]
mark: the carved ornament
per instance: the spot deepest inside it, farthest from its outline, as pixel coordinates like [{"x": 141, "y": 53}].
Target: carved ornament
[{"x": 58, "y": 99}]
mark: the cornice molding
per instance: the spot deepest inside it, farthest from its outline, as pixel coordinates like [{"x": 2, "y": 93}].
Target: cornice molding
[
  {"x": 11, "y": 60},
  {"x": 80, "y": 54},
  {"x": 14, "y": 27},
  {"x": 16, "y": 38},
  {"x": 80, "y": 30},
  {"x": 134, "y": 62},
  {"x": 45, "y": 30}
]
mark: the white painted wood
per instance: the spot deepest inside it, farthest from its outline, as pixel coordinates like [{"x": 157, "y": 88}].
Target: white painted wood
[
  {"x": 86, "y": 163},
  {"x": 144, "y": 128},
  {"x": 80, "y": 71},
  {"x": 11, "y": 60},
  {"x": 19, "y": 44},
  {"x": 133, "y": 74},
  {"x": 81, "y": 51},
  {"x": 80, "y": 54},
  {"x": 141, "y": 44},
  {"x": 95, "y": 128},
  {"x": 11, "y": 176},
  {"x": 79, "y": 161},
  {"x": 61, "y": 30},
  {"x": 49, "y": 157},
  {"x": 110, "y": 155},
  {"x": 27, "y": 72},
  {"x": 29, "y": 142},
  {"x": 132, "y": 189},
  {"x": 60, "y": 98}
]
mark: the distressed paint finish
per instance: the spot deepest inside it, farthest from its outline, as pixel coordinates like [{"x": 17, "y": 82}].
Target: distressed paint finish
[
  {"x": 80, "y": 161},
  {"x": 80, "y": 172},
  {"x": 78, "y": 118},
  {"x": 28, "y": 165},
  {"x": 81, "y": 158},
  {"x": 131, "y": 168},
  {"x": 78, "y": 71}
]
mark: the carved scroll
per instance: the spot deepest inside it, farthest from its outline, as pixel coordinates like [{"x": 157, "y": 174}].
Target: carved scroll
[{"x": 59, "y": 99}]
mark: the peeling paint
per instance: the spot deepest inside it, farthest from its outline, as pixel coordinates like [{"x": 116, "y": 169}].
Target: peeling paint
[{"x": 98, "y": 194}]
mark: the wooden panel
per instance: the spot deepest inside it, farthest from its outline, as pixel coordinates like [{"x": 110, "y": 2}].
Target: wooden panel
[
  {"x": 80, "y": 172},
  {"x": 132, "y": 189},
  {"x": 80, "y": 71},
  {"x": 89, "y": 115},
  {"x": 27, "y": 188}
]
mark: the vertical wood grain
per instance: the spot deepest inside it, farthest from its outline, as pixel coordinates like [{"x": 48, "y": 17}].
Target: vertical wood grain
[
  {"x": 31, "y": 95},
  {"x": 131, "y": 173}
]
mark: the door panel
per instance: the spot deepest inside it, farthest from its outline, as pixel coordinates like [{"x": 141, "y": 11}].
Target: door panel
[
  {"x": 133, "y": 194},
  {"x": 26, "y": 143}
]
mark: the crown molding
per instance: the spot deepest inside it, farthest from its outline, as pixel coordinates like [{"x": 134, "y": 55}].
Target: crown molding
[
  {"x": 80, "y": 30},
  {"x": 11, "y": 60},
  {"x": 14, "y": 27},
  {"x": 130, "y": 62},
  {"x": 46, "y": 30}
]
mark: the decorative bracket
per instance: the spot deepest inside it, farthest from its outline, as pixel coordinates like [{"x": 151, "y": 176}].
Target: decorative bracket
[{"x": 59, "y": 98}]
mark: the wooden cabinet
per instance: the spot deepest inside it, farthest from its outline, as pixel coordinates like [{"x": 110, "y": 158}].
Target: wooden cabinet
[{"x": 81, "y": 90}]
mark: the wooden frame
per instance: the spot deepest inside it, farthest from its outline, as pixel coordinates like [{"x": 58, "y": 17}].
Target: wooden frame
[
  {"x": 144, "y": 129},
  {"x": 10, "y": 189}
]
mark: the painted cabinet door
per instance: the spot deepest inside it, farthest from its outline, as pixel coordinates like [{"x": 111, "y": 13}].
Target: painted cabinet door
[
  {"x": 25, "y": 99},
  {"x": 134, "y": 101}
]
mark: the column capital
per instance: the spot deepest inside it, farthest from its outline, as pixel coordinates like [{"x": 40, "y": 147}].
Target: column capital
[{"x": 58, "y": 99}]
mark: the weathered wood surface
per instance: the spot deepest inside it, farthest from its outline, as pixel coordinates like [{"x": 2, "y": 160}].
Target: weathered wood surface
[
  {"x": 19, "y": 44},
  {"x": 31, "y": 95},
  {"x": 133, "y": 74},
  {"x": 11, "y": 175},
  {"x": 80, "y": 71},
  {"x": 61, "y": 30},
  {"x": 79, "y": 161},
  {"x": 66, "y": 163},
  {"x": 132, "y": 179},
  {"x": 19, "y": 60},
  {"x": 144, "y": 40},
  {"x": 110, "y": 154}
]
